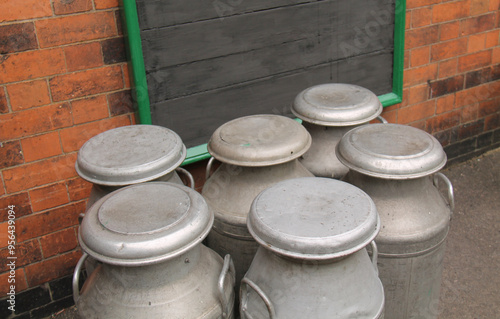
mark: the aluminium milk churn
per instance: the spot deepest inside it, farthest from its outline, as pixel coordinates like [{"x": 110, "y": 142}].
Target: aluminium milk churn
[
  {"x": 312, "y": 261},
  {"x": 256, "y": 152},
  {"x": 130, "y": 155},
  {"x": 397, "y": 166},
  {"x": 153, "y": 264},
  {"x": 328, "y": 111}
]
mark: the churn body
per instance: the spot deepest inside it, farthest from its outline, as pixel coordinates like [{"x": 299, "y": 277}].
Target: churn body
[
  {"x": 312, "y": 262},
  {"x": 153, "y": 265},
  {"x": 328, "y": 111},
  {"x": 397, "y": 166}
]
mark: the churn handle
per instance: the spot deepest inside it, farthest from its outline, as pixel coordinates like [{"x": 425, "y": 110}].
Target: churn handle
[
  {"x": 374, "y": 255},
  {"x": 227, "y": 267},
  {"x": 209, "y": 167},
  {"x": 76, "y": 277},
  {"x": 247, "y": 282},
  {"x": 188, "y": 175},
  {"x": 382, "y": 120},
  {"x": 451, "y": 195}
]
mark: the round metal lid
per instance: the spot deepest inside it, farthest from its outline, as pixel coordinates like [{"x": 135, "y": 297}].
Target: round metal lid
[
  {"x": 313, "y": 218},
  {"x": 336, "y": 104},
  {"x": 259, "y": 140},
  {"x": 129, "y": 155},
  {"x": 145, "y": 224},
  {"x": 391, "y": 151}
]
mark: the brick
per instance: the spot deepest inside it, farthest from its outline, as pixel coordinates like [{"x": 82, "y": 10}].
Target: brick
[
  {"x": 10, "y": 10},
  {"x": 83, "y": 56},
  {"x": 408, "y": 20},
  {"x": 106, "y": 4},
  {"x": 390, "y": 116},
  {"x": 126, "y": 76},
  {"x": 405, "y": 99},
  {"x": 420, "y": 56},
  {"x": 443, "y": 121},
  {"x": 33, "y": 121},
  {"x": 448, "y": 31},
  {"x": 470, "y": 129},
  {"x": 421, "y": 17},
  {"x": 74, "y": 137},
  {"x": 489, "y": 107},
  {"x": 492, "y": 38},
  {"x": 72, "y": 6},
  {"x": 420, "y": 74},
  {"x": 10, "y": 154},
  {"x": 49, "y": 196},
  {"x": 473, "y": 95},
  {"x": 20, "y": 282},
  {"x": 26, "y": 253},
  {"x": 475, "y": 78},
  {"x": 59, "y": 242},
  {"x": 473, "y": 61},
  {"x": 118, "y": 19},
  {"x": 477, "y": 42},
  {"x": 41, "y": 146},
  {"x": 448, "y": 68},
  {"x": 22, "y": 204},
  {"x": 113, "y": 50},
  {"x": 406, "y": 61},
  {"x": 478, "y": 24},
  {"x": 79, "y": 84},
  {"x": 494, "y": 5},
  {"x": 4, "y": 234},
  {"x": 89, "y": 109},
  {"x": 446, "y": 86},
  {"x": 410, "y": 4},
  {"x": 39, "y": 173},
  {"x": 479, "y": 6},
  {"x": 52, "y": 268},
  {"x": 419, "y": 124},
  {"x": 495, "y": 56},
  {"x": 26, "y": 65},
  {"x": 421, "y": 36},
  {"x": 492, "y": 122},
  {"x": 468, "y": 114},
  {"x": 416, "y": 112},
  {"x": 75, "y": 28},
  {"x": 48, "y": 222},
  {"x": 450, "y": 11},
  {"x": 445, "y": 103},
  {"x": 25, "y": 95},
  {"x": 418, "y": 94},
  {"x": 120, "y": 103},
  {"x": 449, "y": 49},
  {"x": 17, "y": 37},
  {"x": 4, "y": 107},
  {"x": 78, "y": 189}
]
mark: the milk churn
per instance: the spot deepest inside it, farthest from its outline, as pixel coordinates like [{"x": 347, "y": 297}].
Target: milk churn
[
  {"x": 153, "y": 264},
  {"x": 397, "y": 166},
  {"x": 328, "y": 111},
  {"x": 256, "y": 152},
  {"x": 129, "y": 155},
  {"x": 312, "y": 261}
]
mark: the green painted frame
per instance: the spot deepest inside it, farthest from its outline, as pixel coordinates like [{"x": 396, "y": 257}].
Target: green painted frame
[{"x": 197, "y": 153}]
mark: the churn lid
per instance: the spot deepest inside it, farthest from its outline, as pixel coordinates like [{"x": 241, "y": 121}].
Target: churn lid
[
  {"x": 144, "y": 224},
  {"x": 259, "y": 140},
  {"x": 391, "y": 151},
  {"x": 313, "y": 218},
  {"x": 336, "y": 104},
  {"x": 129, "y": 155}
]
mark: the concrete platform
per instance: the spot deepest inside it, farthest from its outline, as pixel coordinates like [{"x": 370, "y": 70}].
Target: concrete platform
[{"x": 471, "y": 277}]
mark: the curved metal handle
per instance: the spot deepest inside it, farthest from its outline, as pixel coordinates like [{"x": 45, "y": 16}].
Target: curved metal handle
[
  {"x": 188, "y": 175},
  {"x": 451, "y": 195},
  {"x": 76, "y": 277},
  {"x": 227, "y": 267},
  {"x": 374, "y": 255},
  {"x": 247, "y": 282},
  {"x": 208, "y": 170},
  {"x": 382, "y": 120}
]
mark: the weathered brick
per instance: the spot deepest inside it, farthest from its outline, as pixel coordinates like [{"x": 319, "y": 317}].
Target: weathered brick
[
  {"x": 495, "y": 57},
  {"x": 477, "y": 42},
  {"x": 410, "y": 4},
  {"x": 20, "y": 283},
  {"x": 39, "y": 173},
  {"x": 478, "y": 24},
  {"x": 41, "y": 146},
  {"x": 72, "y": 6},
  {"x": 74, "y": 137},
  {"x": 52, "y": 268},
  {"x": 450, "y": 11},
  {"x": 449, "y": 49},
  {"x": 106, "y": 4},
  {"x": 489, "y": 107},
  {"x": 83, "y": 56},
  {"x": 4, "y": 107},
  {"x": 126, "y": 76},
  {"x": 79, "y": 84},
  {"x": 418, "y": 94},
  {"x": 89, "y": 109},
  {"x": 118, "y": 19},
  {"x": 475, "y": 78},
  {"x": 33, "y": 121},
  {"x": 492, "y": 122},
  {"x": 75, "y": 28},
  {"x": 445, "y": 103},
  {"x": 49, "y": 196},
  {"x": 26, "y": 253},
  {"x": 468, "y": 114},
  {"x": 17, "y": 37},
  {"x": 10, "y": 10},
  {"x": 448, "y": 68},
  {"x": 26, "y": 65},
  {"x": 421, "y": 36},
  {"x": 4, "y": 234},
  {"x": 471, "y": 129},
  {"x": 113, "y": 50},
  {"x": 446, "y": 86},
  {"x": 40, "y": 224},
  {"x": 443, "y": 121},
  {"x": 59, "y": 242},
  {"x": 78, "y": 189},
  {"x": 420, "y": 56},
  {"x": 25, "y": 95},
  {"x": 420, "y": 74},
  {"x": 450, "y": 30},
  {"x": 416, "y": 112},
  {"x": 10, "y": 154},
  {"x": 473, "y": 95},
  {"x": 21, "y": 202},
  {"x": 473, "y": 61},
  {"x": 120, "y": 103},
  {"x": 492, "y": 38},
  {"x": 479, "y": 6},
  {"x": 421, "y": 17}
]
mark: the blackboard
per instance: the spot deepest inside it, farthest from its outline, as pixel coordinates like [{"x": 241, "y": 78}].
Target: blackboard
[{"x": 207, "y": 62}]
